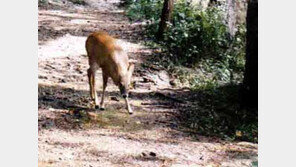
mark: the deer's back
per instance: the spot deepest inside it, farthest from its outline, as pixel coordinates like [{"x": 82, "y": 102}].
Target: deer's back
[
  {"x": 100, "y": 47},
  {"x": 103, "y": 51}
]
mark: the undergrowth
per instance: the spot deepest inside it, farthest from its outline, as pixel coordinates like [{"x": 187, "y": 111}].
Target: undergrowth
[
  {"x": 199, "y": 52},
  {"x": 197, "y": 39}
]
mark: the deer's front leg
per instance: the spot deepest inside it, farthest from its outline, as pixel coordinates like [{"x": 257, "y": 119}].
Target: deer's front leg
[
  {"x": 93, "y": 93},
  {"x": 128, "y": 107}
]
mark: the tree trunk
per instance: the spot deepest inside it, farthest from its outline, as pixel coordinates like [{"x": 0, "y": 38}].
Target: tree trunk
[
  {"x": 231, "y": 17},
  {"x": 166, "y": 15},
  {"x": 250, "y": 84}
]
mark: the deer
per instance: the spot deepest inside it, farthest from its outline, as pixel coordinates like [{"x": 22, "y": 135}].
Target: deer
[{"x": 105, "y": 52}]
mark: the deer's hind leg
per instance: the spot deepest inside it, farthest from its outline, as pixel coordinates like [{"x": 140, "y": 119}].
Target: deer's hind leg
[
  {"x": 92, "y": 86},
  {"x": 105, "y": 82}
]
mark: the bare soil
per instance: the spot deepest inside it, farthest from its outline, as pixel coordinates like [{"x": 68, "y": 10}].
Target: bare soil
[{"x": 72, "y": 133}]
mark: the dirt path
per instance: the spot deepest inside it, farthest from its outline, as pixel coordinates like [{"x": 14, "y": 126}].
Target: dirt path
[{"x": 71, "y": 133}]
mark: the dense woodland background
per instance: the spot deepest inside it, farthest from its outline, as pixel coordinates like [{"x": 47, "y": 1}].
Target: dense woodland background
[{"x": 210, "y": 46}]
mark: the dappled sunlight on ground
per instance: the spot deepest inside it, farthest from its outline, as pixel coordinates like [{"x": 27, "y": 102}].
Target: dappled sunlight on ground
[{"x": 64, "y": 46}]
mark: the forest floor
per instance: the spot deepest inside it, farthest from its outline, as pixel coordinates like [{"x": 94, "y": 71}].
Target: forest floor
[{"x": 72, "y": 133}]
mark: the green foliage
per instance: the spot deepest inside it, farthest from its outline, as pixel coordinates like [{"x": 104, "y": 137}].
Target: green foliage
[
  {"x": 78, "y": 2},
  {"x": 144, "y": 9},
  {"x": 255, "y": 164},
  {"x": 200, "y": 37},
  {"x": 195, "y": 35},
  {"x": 197, "y": 38},
  {"x": 42, "y": 2}
]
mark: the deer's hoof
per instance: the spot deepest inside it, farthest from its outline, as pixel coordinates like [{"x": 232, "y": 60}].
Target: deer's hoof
[
  {"x": 102, "y": 108},
  {"x": 97, "y": 107},
  {"x": 130, "y": 112}
]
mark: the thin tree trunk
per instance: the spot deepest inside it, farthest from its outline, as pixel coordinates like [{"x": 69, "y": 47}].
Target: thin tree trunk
[
  {"x": 231, "y": 15},
  {"x": 250, "y": 84},
  {"x": 166, "y": 15}
]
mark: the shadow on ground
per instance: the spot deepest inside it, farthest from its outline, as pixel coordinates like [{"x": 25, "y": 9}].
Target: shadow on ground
[
  {"x": 217, "y": 112},
  {"x": 214, "y": 113},
  {"x": 67, "y": 108}
]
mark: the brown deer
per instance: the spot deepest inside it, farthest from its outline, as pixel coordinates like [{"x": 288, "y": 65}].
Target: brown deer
[{"x": 106, "y": 53}]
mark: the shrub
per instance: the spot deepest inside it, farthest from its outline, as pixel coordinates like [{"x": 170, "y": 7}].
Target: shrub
[
  {"x": 144, "y": 9},
  {"x": 199, "y": 39}
]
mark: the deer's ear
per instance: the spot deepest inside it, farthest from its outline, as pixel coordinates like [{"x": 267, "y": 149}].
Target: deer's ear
[{"x": 131, "y": 61}]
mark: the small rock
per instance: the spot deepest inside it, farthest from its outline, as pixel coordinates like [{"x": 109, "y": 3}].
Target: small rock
[
  {"x": 114, "y": 98},
  {"x": 175, "y": 82},
  {"x": 146, "y": 79},
  {"x": 153, "y": 154},
  {"x": 42, "y": 77}
]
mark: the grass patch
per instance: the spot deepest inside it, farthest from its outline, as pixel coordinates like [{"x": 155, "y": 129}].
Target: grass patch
[{"x": 110, "y": 119}]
